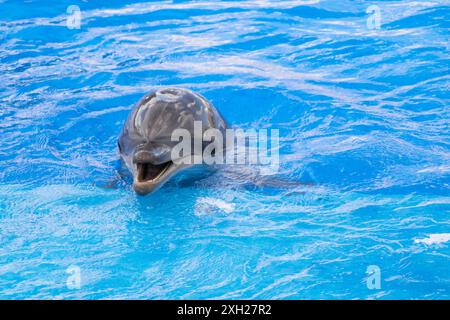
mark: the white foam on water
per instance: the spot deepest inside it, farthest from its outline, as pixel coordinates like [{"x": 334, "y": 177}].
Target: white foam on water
[
  {"x": 205, "y": 205},
  {"x": 434, "y": 238}
]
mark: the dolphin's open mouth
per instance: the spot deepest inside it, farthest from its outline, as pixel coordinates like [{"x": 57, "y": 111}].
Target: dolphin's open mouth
[{"x": 147, "y": 172}]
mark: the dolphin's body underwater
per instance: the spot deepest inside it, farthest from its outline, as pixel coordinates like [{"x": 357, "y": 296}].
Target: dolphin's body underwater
[{"x": 145, "y": 144}]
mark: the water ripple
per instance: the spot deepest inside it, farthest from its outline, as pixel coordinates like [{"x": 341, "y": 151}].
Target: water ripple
[{"x": 364, "y": 139}]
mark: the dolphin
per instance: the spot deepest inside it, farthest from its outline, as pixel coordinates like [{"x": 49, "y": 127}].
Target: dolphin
[{"x": 145, "y": 143}]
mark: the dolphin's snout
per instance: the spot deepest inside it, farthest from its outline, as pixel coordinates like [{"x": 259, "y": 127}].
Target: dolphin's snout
[
  {"x": 152, "y": 152},
  {"x": 148, "y": 177},
  {"x": 144, "y": 188},
  {"x": 143, "y": 156}
]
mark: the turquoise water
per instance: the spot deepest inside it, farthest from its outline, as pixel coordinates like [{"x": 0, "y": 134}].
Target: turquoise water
[{"x": 364, "y": 123}]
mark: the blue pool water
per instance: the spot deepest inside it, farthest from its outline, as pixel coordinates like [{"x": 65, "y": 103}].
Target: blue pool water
[{"x": 363, "y": 115}]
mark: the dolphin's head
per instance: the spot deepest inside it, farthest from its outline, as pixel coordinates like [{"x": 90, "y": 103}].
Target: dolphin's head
[{"x": 145, "y": 143}]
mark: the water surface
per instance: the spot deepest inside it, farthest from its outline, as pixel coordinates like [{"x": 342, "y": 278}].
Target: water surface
[{"x": 363, "y": 116}]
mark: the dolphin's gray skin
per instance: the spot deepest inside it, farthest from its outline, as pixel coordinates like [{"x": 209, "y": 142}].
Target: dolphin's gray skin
[{"x": 145, "y": 142}]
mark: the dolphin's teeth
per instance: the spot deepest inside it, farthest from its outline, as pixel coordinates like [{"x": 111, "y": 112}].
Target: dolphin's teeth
[{"x": 150, "y": 172}]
